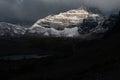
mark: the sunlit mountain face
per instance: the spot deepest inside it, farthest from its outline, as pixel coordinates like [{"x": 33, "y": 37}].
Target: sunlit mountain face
[{"x": 69, "y": 18}]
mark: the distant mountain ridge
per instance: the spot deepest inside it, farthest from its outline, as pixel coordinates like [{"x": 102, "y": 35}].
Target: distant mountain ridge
[
  {"x": 83, "y": 23},
  {"x": 7, "y": 29}
]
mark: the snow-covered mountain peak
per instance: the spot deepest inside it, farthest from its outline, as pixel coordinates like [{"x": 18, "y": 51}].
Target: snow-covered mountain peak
[
  {"x": 66, "y": 19},
  {"x": 72, "y": 23}
]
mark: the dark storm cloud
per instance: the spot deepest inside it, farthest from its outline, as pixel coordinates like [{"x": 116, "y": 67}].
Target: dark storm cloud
[{"x": 35, "y": 9}]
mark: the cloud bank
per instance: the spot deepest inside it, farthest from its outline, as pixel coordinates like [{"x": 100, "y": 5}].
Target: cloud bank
[{"x": 35, "y": 9}]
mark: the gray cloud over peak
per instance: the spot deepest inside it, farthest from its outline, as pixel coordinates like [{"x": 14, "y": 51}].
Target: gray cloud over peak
[{"x": 31, "y": 10}]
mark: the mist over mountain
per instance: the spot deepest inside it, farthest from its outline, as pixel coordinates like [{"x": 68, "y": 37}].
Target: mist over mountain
[{"x": 32, "y": 10}]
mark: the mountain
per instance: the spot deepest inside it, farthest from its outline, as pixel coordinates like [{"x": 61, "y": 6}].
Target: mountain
[
  {"x": 7, "y": 29},
  {"x": 80, "y": 22}
]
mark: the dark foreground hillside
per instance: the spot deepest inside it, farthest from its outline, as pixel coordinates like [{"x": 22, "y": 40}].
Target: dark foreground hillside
[{"x": 70, "y": 59}]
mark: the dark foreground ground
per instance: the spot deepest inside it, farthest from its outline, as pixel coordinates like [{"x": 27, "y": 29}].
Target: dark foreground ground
[{"x": 70, "y": 59}]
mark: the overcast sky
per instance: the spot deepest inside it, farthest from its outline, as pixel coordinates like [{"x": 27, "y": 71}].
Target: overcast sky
[{"x": 31, "y": 10}]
